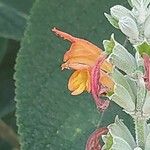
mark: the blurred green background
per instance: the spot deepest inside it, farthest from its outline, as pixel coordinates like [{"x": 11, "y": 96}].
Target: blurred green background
[{"x": 13, "y": 18}]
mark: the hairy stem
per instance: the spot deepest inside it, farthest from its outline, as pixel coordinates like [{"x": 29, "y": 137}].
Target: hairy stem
[
  {"x": 140, "y": 125},
  {"x": 139, "y": 119}
]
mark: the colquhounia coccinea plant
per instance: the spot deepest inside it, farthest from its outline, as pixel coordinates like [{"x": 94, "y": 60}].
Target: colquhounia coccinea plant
[{"x": 116, "y": 75}]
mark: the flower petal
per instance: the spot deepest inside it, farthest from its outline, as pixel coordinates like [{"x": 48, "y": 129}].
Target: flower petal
[
  {"x": 81, "y": 43},
  {"x": 79, "y": 90},
  {"x": 72, "y": 79},
  {"x": 106, "y": 66},
  {"x": 78, "y": 49},
  {"x": 81, "y": 51},
  {"x": 86, "y": 61},
  {"x": 64, "y": 35},
  {"x": 106, "y": 81},
  {"x": 88, "y": 83},
  {"x": 75, "y": 66},
  {"x": 78, "y": 82}
]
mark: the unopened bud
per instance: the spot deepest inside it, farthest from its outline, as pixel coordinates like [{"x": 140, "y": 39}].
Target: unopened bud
[
  {"x": 128, "y": 26},
  {"x": 119, "y": 11}
]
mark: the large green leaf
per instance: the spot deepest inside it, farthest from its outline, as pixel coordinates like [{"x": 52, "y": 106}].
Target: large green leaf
[
  {"x": 47, "y": 115},
  {"x": 13, "y": 15}
]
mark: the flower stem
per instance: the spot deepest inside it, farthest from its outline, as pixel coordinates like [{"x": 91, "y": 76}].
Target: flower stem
[{"x": 139, "y": 119}]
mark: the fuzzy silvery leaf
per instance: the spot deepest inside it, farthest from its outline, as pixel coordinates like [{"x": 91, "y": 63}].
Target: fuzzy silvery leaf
[
  {"x": 148, "y": 128},
  {"x": 147, "y": 138},
  {"x": 123, "y": 98},
  {"x": 147, "y": 144},
  {"x": 141, "y": 92},
  {"x": 128, "y": 26},
  {"x": 139, "y": 3},
  {"x": 146, "y": 107},
  {"x": 147, "y": 28},
  {"x": 122, "y": 59},
  {"x": 132, "y": 83},
  {"x": 139, "y": 60},
  {"x": 119, "y": 130},
  {"x": 119, "y": 11},
  {"x": 136, "y": 3},
  {"x": 146, "y": 2},
  {"x": 119, "y": 78},
  {"x": 140, "y": 10},
  {"x": 120, "y": 144},
  {"x": 112, "y": 20}
]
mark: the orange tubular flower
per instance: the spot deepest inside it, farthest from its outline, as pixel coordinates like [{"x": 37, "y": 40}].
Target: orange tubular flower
[{"x": 82, "y": 57}]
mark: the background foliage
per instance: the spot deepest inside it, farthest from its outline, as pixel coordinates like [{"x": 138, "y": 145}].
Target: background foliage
[{"x": 48, "y": 117}]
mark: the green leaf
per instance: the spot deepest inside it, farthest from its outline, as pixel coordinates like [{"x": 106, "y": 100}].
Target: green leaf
[
  {"x": 47, "y": 115},
  {"x": 108, "y": 140},
  {"x": 13, "y": 18},
  {"x": 109, "y": 44}
]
